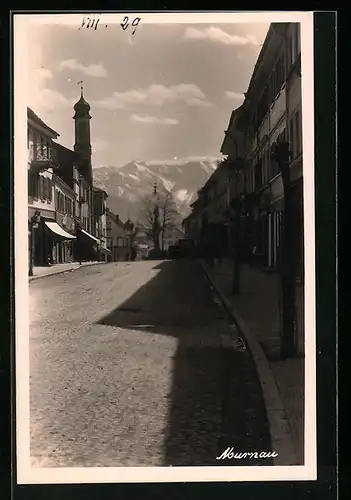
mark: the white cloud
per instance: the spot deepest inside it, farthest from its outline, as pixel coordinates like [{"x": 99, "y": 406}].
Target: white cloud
[
  {"x": 40, "y": 96},
  {"x": 217, "y": 35},
  {"x": 95, "y": 70},
  {"x": 156, "y": 95},
  {"x": 154, "y": 120},
  {"x": 234, "y": 95},
  {"x": 98, "y": 145}
]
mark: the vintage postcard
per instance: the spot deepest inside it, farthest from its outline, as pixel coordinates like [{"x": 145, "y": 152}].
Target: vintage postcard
[{"x": 165, "y": 288}]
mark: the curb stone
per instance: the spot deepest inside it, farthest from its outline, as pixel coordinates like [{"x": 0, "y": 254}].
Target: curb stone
[
  {"x": 34, "y": 278},
  {"x": 279, "y": 426}
]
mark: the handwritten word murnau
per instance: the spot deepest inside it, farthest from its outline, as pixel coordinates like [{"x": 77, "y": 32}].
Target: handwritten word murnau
[{"x": 93, "y": 21}]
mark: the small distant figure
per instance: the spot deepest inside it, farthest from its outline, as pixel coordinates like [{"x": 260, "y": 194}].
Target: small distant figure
[{"x": 253, "y": 255}]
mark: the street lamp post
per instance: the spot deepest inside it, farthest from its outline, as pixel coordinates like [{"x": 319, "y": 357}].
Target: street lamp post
[{"x": 33, "y": 224}]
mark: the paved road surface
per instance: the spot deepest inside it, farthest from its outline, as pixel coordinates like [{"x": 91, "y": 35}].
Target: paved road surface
[{"x": 127, "y": 369}]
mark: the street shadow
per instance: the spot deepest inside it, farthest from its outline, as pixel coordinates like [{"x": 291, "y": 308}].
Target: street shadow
[{"x": 215, "y": 401}]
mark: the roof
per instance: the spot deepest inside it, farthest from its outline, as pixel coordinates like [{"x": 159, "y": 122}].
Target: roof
[
  {"x": 82, "y": 107},
  {"x": 113, "y": 216},
  {"x": 35, "y": 118},
  {"x": 129, "y": 224},
  {"x": 65, "y": 153},
  {"x": 66, "y": 159},
  {"x": 274, "y": 28},
  {"x": 99, "y": 190}
]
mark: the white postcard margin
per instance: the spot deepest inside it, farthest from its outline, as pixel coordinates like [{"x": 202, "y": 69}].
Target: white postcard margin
[{"x": 29, "y": 475}]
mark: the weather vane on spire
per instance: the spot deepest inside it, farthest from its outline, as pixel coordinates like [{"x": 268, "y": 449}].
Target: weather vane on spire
[{"x": 81, "y": 87}]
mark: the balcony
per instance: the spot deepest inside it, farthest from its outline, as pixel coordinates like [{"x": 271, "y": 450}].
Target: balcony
[{"x": 42, "y": 158}]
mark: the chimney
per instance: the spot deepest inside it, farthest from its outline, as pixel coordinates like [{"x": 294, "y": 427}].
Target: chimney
[{"x": 117, "y": 219}]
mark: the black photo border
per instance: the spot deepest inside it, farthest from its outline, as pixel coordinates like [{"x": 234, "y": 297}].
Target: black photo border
[{"x": 326, "y": 252}]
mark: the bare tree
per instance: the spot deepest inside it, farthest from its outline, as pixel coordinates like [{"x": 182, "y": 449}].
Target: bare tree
[
  {"x": 148, "y": 219},
  {"x": 169, "y": 214},
  {"x": 158, "y": 213}
]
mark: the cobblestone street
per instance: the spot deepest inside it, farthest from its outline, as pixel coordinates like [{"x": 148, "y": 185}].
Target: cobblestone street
[{"x": 137, "y": 364}]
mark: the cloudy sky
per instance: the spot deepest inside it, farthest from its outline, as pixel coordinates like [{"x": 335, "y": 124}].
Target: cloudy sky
[{"x": 167, "y": 91}]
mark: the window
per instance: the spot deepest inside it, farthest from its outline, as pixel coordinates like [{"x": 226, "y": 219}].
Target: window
[
  {"x": 45, "y": 188},
  {"x": 267, "y": 173},
  {"x": 258, "y": 174},
  {"x": 263, "y": 106},
  {"x": 61, "y": 202},
  {"x": 272, "y": 88},
  {"x": 33, "y": 184},
  {"x": 284, "y": 138},
  {"x": 283, "y": 63},
  {"x": 291, "y": 137},
  {"x": 290, "y": 53},
  {"x": 278, "y": 77},
  {"x": 108, "y": 225},
  {"x": 297, "y": 131},
  {"x": 41, "y": 187},
  {"x": 120, "y": 242},
  {"x": 264, "y": 176},
  {"x": 297, "y": 45},
  {"x": 49, "y": 189}
]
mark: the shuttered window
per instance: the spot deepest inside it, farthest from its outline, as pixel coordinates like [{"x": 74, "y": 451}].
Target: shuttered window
[
  {"x": 291, "y": 137},
  {"x": 297, "y": 132},
  {"x": 41, "y": 187},
  {"x": 49, "y": 189}
]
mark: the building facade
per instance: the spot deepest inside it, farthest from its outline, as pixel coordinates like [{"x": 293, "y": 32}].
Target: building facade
[
  {"x": 44, "y": 231},
  {"x": 270, "y": 115},
  {"x": 248, "y": 180},
  {"x": 63, "y": 250},
  {"x": 100, "y": 221},
  {"x": 63, "y": 224},
  {"x": 119, "y": 239},
  {"x": 273, "y": 109}
]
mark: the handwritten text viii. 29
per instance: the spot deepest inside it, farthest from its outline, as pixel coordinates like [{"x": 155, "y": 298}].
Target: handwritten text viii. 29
[{"x": 93, "y": 22}]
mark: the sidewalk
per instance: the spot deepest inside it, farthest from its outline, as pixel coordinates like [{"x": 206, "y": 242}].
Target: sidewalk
[
  {"x": 259, "y": 309},
  {"x": 42, "y": 272}
]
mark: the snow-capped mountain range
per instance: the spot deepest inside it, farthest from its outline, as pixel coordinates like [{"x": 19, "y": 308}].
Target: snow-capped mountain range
[{"x": 126, "y": 186}]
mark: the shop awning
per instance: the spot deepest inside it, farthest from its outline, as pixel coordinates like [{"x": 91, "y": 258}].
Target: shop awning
[
  {"x": 55, "y": 228},
  {"x": 90, "y": 236}
]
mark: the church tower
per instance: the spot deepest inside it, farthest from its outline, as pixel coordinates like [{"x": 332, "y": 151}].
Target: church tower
[{"x": 82, "y": 144}]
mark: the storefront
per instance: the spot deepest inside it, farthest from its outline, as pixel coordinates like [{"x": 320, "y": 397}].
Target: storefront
[
  {"x": 39, "y": 240},
  {"x": 86, "y": 246},
  {"x": 63, "y": 249},
  {"x": 59, "y": 247},
  {"x": 104, "y": 254}
]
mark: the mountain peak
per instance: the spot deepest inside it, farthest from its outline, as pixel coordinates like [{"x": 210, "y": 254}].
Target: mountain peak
[{"x": 128, "y": 185}]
